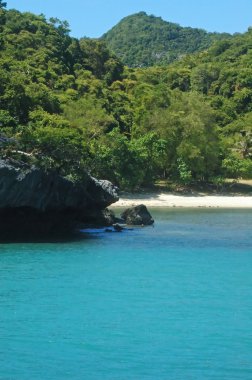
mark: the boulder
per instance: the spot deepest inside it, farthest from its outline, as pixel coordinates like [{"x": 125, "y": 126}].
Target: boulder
[{"x": 138, "y": 216}]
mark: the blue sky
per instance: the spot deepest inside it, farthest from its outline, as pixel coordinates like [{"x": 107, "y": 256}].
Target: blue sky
[{"x": 92, "y": 18}]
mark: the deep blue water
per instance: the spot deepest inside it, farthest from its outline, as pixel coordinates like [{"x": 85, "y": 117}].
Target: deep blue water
[{"x": 173, "y": 302}]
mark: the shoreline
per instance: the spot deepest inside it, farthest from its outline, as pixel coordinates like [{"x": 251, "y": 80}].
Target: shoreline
[{"x": 169, "y": 200}]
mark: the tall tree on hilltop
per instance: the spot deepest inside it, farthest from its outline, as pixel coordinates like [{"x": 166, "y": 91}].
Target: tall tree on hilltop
[{"x": 3, "y": 4}]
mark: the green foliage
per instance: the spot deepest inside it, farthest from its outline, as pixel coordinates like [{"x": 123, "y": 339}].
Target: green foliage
[
  {"x": 3, "y": 4},
  {"x": 89, "y": 115},
  {"x": 113, "y": 159},
  {"x": 141, "y": 40},
  {"x": 59, "y": 149},
  {"x": 97, "y": 58},
  {"x": 235, "y": 167},
  {"x": 151, "y": 152},
  {"x": 70, "y": 105},
  {"x": 7, "y": 123},
  {"x": 185, "y": 174}
]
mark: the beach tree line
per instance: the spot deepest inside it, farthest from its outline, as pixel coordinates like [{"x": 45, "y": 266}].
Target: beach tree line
[{"x": 70, "y": 105}]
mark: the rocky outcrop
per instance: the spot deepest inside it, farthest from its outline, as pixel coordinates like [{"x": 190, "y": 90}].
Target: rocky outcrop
[
  {"x": 33, "y": 201},
  {"x": 138, "y": 216},
  {"x": 24, "y": 186}
]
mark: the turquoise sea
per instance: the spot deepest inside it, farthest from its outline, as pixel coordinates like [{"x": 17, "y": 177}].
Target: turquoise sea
[{"x": 169, "y": 302}]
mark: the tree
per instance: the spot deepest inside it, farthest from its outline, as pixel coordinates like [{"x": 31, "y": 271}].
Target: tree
[
  {"x": 60, "y": 149},
  {"x": 88, "y": 115},
  {"x": 114, "y": 159},
  {"x": 151, "y": 153},
  {"x": 3, "y": 4}
]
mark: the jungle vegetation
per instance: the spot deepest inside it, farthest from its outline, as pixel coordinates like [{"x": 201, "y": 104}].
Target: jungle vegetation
[
  {"x": 71, "y": 105},
  {"x": 142, "y": 40}
]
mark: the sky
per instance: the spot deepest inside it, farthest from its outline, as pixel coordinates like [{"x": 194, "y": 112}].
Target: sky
[{"x": 92, "y": 18}]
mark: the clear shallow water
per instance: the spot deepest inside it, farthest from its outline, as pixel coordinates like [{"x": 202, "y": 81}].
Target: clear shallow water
[{"x": 172, "y": 302}]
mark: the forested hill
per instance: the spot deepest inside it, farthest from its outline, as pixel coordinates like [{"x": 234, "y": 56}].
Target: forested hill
[
  {"x": 70, "y": 106},
  {"x": 53, "y": 92},
  {"x": 140, "y": 40}
]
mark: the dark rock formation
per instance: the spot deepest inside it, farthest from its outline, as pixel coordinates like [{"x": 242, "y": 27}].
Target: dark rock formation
[
  {"x": 24, "y": 186},
  {"x": 117, "y": 227},
  {"x": 138, "y": 216},
  {"x": 104, "y": 217},
  {"x": 33, "y": 202}
]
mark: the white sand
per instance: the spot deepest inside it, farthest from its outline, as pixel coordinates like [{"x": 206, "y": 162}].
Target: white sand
[{"x": 171, "y": 200}]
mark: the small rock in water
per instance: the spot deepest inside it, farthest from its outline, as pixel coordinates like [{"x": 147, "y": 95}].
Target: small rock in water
[
  {"x": 137, "y": 216},
  {"x": 108, "y": 230},
  {"x": 117, "y": 227}
]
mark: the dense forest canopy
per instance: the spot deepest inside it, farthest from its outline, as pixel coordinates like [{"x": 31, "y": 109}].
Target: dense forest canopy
[
  {"x": 141, "y": 40},
  {"x": 70, "y": 105}
]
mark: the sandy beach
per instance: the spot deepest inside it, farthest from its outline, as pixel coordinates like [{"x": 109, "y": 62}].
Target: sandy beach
[{"x": 171, "y": 200}]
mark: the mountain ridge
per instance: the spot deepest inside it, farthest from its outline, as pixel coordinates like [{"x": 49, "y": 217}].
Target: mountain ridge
[{"x": 142, "y": 40}]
